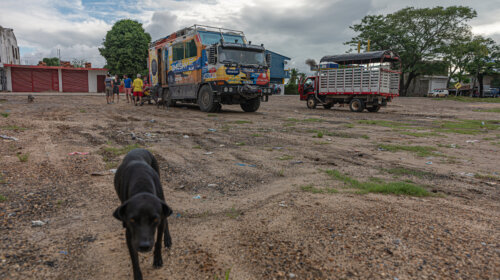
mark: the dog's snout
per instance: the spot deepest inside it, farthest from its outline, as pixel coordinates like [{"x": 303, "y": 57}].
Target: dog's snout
[{"x": 144, "y": 247}]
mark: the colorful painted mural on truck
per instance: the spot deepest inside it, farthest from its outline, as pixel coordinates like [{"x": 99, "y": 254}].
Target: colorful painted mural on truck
[{"x": 222, "y": 62}]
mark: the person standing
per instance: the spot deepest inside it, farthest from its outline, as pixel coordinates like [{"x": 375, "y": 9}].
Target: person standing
[
  {"x": 116, "y": 89},
  {"x": 108, "y": 83},
  {"x": 137, "y": 85},
  {"x": 128, "y": 88}
]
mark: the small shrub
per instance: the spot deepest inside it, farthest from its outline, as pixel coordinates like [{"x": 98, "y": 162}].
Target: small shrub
[
  {"x": 285, "y": 157},
  {"x": 3, "y": 198},
  {"x": 5, "y": 115},
  {"x": 23, "y": 158},
  {"x": 421, "y": 151}
]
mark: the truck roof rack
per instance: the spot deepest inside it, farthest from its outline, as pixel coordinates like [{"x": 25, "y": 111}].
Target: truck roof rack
[
  {"x": 362, "y": 58},
  {"x": 199, "y": 27}
]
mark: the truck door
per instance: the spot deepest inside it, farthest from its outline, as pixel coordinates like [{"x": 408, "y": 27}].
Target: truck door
[
  {"x": 184, "y": 74},
  {"x": 153, "y": 66}
]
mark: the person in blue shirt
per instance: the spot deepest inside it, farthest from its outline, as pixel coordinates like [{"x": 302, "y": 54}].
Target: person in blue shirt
[{"x": 128, "y": 88}]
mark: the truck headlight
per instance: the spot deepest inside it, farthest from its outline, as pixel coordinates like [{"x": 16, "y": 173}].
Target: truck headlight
[
  {"x": 225, "y": 89},
  {"x": 230, "y": 89}
]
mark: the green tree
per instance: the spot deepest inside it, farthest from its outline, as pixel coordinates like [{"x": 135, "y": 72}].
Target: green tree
[
  {"x": 51, "y": 61},
  {"x": 417, "y": 35},
  {"x": 485, "y": 60},
  {"x": 125, "y": 47}
]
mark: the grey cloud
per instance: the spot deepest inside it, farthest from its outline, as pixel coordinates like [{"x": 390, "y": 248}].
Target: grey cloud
[{"x": 162, "y": 24}]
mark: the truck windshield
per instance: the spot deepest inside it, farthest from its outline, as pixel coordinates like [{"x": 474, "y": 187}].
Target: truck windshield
[{"x": 245, "y": 57}]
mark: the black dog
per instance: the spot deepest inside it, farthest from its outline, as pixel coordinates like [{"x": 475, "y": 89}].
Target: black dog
[{"x": 143, "y": 210}]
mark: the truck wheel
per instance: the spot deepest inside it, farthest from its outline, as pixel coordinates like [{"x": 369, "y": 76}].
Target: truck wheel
[
  {"x": 357, "y": 105},
  {"x": 374, "y": 108},
  {"x": 327, "y": 106},
  {"x": 311, "y": 102},
  {"x": 251, "y": 105},
  {"x": 206, "y": 99}
]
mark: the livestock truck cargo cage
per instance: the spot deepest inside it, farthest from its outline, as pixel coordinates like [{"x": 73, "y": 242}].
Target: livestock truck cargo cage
[
  {"x": 364, "y": 81},
  {"x": 209, "y": 66}
]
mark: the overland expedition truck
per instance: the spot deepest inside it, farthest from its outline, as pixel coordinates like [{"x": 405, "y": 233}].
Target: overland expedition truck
[
  {"x": 209, "y": 66},
  {"x": 364, "y": 81}
]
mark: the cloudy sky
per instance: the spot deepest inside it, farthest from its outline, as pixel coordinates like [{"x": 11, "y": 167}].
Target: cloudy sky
[{"x": 299, "y": 29}]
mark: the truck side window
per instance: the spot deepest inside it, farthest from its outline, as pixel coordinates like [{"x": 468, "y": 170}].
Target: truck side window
[
  {"x": 178, "y": 52},
  {"x": 191, "y": 50}
]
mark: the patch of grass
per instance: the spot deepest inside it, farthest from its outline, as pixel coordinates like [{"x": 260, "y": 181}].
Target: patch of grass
[
  {"x": 349, "y": 125},
  {"x": 3, "y": 198},
  {"x": 308, "y": 120},
  {"x": 405, "y": 171},
  {"x": 3, "y": 100},
  {"x": 121, "y": 150},
  {"x": 240, "y": 143},
  {"x": 5, "y": 115},
  {"x": 421, "y": 151},
  {"x": 23, "y": 158},
  {"x": 110, "y": 165},
  {"x": 471, "y": 127},
  {"x": 83, "y": 111},
  {"x": 321, "y": 143},
  {"x": 470, "y": 99},
  {"x": 310, "y": 188},
  {"x": 319, "y": 135},
  {"x": 281, "y": 173},
  {"x": 383, "y": 123},
  {"x": 13, "y": 127},
  {"x": 365, "y": 136},
  {"x": 242, "y": 122},
  {"x": 336, "y": 134},
  {"x": 285, "y": 157},
  {"x": 233, "y": 213},
  {"x": 226, "y": 275},
  {"x": 197, "y": 147},
  {"x": 486, "y": 177},
  {"x": 421, "y": 134},
  {"x": 256, "y": 135},
  {"x": 493, "y": 110},
  {"x": 212, "y": 115},
  {"x": 398, "y": 188},
  {"x": 492, "y": 138}
]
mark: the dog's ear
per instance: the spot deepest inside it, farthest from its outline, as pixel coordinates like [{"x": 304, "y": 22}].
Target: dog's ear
[
  {"x": 167, "y": 211},
  {"x": 120, "y": 212}
]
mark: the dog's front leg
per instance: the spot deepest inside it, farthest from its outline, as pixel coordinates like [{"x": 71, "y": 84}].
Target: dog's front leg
[
  {"x": 168, "y": 238},
  {"x": 158, "y": 261},
  {"x": 134, "y": 257}
]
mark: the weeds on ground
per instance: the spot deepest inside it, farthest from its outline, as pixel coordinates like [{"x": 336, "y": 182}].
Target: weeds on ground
[
  {"x": 83, "y": 111},
  {"x": 212, "y": 115},
  {"x": 409, "y": 172},
  {"x": 337, "y": 134},
  {"x": 421, "y": 151},
  {"x": 3, "y": 198},
  {"x": 285, "y": 157},
  {"x": 197, "y": 147},
  {"x": 471, "y": 127},
  {"x": 349, "y": 125},
  {"x": 233, "y": 213},
  {"x": 23, "y": 158},
  {"x": 308, "y": 120},
  {"x": 486, "y": 177},
  {"x": 240, "y": 143},
  {"x": 256, "y": 135},
  {"x": 2, "y": 179},
  {"x": 242, "y": 122},
  {"x": 226, "y": 275},
  {"x": 5, "y": 115},
  {"x": 319, "y": 135},
  {"x": 421, "y": 134},
  {"x": 470, "y": 99},
  {"x": 493, "y": 110},
  {"x": 310, "y": 188},
  {"x": 13, "y": 127},
  {"x": 390, "y": 124},
  {"x": 398, "y": 188},
  {"x": 121, "y": 150},
  {"x": 281, "y": 173}
]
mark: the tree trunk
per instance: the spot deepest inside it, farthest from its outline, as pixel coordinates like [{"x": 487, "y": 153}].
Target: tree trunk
[
  {"x": 480, "y": 80},
  {"x": 407, "y": 83}
]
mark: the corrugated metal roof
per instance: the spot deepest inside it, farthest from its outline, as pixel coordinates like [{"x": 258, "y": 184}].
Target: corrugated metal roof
[
  {"x": 361, "y": 58},
  {"x": 52, "y": 67}
]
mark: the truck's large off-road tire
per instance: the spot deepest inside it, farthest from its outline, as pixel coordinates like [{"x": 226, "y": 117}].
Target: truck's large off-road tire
[
  {"x": 357, "y": 105},
  {"x": 251, "y": 105},
  {"x": 373, "y": 108},
  {"x": 206, "y": 99},
  {"x": 311, "y": 102}
]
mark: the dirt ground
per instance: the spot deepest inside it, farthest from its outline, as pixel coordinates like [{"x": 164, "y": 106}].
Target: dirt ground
[{"x": 251, "y": 192}]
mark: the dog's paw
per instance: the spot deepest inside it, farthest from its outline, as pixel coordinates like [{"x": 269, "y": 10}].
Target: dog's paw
[
  {"x": 157, "y": 262},
  {"x": 168, "y": 242}
]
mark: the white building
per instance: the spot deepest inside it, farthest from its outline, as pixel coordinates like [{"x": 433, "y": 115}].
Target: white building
[{"x": 9, "y": 53}]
